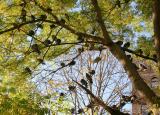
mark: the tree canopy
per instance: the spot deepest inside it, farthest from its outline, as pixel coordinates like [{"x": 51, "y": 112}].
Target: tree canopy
[{"x": 50, "y": 47}]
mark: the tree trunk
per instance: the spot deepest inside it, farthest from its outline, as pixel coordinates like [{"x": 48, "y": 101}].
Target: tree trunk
[
  {"x": 156, "y": 23},
  {"x": 129, "y": 67}
]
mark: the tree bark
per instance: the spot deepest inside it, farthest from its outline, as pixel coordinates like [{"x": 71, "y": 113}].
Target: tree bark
[{"x": 156, "y": 23}]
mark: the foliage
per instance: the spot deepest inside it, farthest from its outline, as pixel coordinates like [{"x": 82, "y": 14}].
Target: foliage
[
  {"x": 146, "y": 44},
  {"x": 35, "y": 33}
]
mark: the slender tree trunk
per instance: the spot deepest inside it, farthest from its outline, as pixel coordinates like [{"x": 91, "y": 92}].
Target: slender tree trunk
[{"x": 156, "y": 22}]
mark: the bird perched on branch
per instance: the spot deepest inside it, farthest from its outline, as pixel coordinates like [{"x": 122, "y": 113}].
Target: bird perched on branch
[
  {"x": 130, "y": 57},
  {"x": 84, "y": 83},
  {"x": 80, "y": 38},
  {"x": 28, "y": 70},
  {"x": 43, "y": 17},
  {"x": 57, "y": 41},
  {"x": 71, "y": 88},
  {"x": 126, "y": 1},
  {"x": 40, "y": 60},
  {"x": 89, "y": 78},
  {"x": 31, "y": 33},
  {"x": 63, "y": 64},
  {"x": 35, "y": 48},
  {"x": 139, "y": 51},
  {"x": 118, "y": 3},
  {"x": 47, "y": 42},
  {"x": 126, "y": 45},
  {"x": 80, "y": 111},
  {"x": 92, "y": 72},
  {"x": 97, "y": 59},
  {"x": 72, "y": 63},
  {"x": 119, "y": 43}
]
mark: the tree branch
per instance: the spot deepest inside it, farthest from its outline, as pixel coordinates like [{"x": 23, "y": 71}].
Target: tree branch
[
  {"x": 19, "y": 26},
  {"x": 142, "y": 56},
  {"x": 100, "y": 102},
  {"x": 67, "y": 27}
]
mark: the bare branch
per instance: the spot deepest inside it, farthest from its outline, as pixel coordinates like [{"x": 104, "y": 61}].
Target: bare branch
[{"x": 100, "y": 102}]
